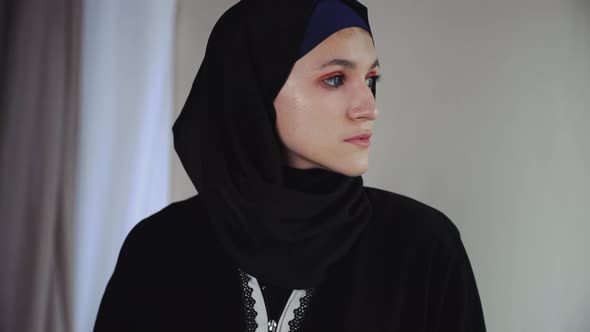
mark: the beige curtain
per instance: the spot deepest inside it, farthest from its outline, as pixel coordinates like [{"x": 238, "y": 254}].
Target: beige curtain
[{"x": 39, "y": 66}]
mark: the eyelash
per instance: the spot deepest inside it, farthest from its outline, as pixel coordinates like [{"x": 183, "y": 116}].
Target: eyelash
[{"x": 375, "y": 79}]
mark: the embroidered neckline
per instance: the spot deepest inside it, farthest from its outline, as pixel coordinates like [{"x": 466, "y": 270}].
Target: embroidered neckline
[{"x": 250, "y": 313}]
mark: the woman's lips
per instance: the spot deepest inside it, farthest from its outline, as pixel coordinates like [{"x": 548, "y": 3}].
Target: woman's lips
[{"x": 360, "y": 140}]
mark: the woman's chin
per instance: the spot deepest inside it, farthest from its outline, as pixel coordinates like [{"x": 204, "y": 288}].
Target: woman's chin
[{"x": 352, "y": 168}]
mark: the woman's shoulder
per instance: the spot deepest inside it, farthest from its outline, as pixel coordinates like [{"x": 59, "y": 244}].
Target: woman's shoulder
[
  {"x": 165, "y": 229},
  {"x": 400, "y": 215},
  {"x": 171, "y": 216}
]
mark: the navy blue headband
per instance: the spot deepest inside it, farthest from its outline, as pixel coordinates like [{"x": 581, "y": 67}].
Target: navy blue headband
[{"x": 328, "y": 17}]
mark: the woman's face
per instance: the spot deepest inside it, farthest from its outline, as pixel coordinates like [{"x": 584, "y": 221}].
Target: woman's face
[{"x": 327, "y": 99}]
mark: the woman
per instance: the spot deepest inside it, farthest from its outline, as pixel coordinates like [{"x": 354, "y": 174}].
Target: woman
[{"x": 283, "y": 235}]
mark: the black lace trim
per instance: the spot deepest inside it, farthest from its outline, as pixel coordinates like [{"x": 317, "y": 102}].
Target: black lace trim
[
  {"x": 304, "y": 303},
  {"x": 249, "y": 301}
]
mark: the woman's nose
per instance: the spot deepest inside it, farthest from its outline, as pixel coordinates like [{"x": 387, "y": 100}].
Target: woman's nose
[{"x": 363, "y": 103}]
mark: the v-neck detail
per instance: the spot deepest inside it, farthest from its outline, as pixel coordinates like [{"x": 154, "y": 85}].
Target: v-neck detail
[
  {"x": 275, "y": 299},
  {"x": 292, "y": 314}
]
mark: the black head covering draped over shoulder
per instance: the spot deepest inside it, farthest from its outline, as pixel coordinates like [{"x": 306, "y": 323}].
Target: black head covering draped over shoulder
[{"x": 283, "y": 225}]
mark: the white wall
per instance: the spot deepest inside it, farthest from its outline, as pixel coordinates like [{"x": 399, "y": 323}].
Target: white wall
[{"x": 484, "y": 111}]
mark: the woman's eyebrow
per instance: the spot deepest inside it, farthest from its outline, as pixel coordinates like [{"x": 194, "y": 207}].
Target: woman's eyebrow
[{"x": 344, "y": 63}]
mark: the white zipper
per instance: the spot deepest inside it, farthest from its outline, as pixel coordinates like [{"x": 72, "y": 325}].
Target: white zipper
[{"x": 272, "y": 326}]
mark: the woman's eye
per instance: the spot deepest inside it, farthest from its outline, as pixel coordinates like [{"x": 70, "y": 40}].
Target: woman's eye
[
  {"x": 372, "y": 81},
  {"x": 335, "y": 81},
  {"x": 338, "y": 80}
]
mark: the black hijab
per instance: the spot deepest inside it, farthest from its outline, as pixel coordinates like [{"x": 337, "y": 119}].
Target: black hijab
[{"x": 283, "y": 225}]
